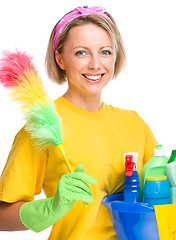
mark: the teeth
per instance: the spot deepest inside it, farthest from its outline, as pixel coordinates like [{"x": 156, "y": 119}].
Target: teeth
[{"x": 92, "y": 77}]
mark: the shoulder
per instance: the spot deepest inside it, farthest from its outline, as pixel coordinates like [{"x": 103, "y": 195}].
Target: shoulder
[
  {"x": 122, "y": 112},
  {"x": 24, "y": 137},
  {"x": 127, "y": 116}
]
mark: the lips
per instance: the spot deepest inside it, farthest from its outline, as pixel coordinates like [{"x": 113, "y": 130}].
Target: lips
[{"x": 93, "y": 77}]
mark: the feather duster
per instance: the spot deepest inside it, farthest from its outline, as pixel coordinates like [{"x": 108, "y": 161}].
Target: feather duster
[{"x": 17, "y": 72}]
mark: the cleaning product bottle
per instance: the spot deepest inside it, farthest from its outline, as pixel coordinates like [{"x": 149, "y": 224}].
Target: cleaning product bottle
[
  {"x": 155, "y": 166},
  {"x": 171, "y": 175},
  {"x": 131, "y": 181},
  {"x": 157, "y": 190}
]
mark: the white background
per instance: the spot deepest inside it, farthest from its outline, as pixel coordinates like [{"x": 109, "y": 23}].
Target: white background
[{"x": 147, "y": 85}]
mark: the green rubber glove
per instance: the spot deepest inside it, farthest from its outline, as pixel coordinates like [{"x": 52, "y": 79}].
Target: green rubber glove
[{"x": 41, "y": 214}]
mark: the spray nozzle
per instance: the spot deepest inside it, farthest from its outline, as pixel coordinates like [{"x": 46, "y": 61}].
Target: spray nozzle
[{"x": 130, "y": 163}]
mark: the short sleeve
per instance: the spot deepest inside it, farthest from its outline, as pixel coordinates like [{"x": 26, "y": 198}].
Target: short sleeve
[
  {"x": 150, "y": 141},
  {"x": 23, "y": 174}
]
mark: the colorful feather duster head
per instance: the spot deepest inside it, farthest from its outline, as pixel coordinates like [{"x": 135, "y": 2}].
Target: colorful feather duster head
[{"x": 18, "y": 73}]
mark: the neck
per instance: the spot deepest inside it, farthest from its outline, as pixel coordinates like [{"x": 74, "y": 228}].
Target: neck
[{"x": 91, "y": 103}]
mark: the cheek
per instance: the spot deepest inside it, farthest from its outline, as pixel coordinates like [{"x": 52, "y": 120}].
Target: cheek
[
  {"x": 75, "y": 65},
  {"x": 72, "y": 71},
  {"x": 110, "y": 65}
]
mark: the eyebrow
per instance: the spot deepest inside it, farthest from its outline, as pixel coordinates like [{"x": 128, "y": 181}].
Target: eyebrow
[{"x": 88, "y": 48}]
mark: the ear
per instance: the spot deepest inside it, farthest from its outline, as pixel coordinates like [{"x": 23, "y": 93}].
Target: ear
[{"x": 59, "y": 60}]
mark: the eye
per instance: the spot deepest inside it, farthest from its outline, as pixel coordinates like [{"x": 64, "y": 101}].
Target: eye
[
  {"x": 80, "y": 53},
  {"x": 106, "y": 52}
]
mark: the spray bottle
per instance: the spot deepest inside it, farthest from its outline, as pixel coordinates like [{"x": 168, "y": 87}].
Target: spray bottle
[
  {"x": 171, "y": 175},
  {"x": 155, "y": 166},
  {"x": 131, "y": 181}
]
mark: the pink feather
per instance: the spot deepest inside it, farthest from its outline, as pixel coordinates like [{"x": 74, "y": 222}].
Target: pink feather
[{"x": 14, "y": 65}]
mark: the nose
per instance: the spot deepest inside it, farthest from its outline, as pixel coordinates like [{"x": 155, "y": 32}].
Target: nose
[{"x": 94, "y": 62}]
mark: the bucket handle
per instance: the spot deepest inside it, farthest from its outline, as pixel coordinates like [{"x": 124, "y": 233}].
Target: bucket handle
[{"x": 106, "y": 202}]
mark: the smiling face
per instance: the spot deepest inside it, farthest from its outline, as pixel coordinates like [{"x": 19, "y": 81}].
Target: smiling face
[{"x": 88, "y": 57}]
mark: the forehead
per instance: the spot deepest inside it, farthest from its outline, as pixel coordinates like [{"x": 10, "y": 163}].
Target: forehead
[{"x": 88, "y": 34}]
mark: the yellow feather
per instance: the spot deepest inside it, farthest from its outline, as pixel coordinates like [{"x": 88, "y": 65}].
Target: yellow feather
[{"x": 29, "y": 90}]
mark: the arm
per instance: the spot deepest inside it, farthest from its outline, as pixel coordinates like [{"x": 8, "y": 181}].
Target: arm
[
  {"x": 40, "y": 214},
  {"x": 9, "y": 216}
]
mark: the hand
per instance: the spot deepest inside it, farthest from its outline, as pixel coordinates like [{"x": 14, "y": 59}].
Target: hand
[
  {"x": 72, "y": 187},
  {"x": 40, "y": 214}
]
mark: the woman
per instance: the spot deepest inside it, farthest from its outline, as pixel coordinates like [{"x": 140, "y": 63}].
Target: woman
[{"x": 85, "y": 49}]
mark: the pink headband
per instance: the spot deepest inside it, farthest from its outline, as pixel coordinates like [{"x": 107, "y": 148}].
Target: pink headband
[{"x": 75, "y": 14}]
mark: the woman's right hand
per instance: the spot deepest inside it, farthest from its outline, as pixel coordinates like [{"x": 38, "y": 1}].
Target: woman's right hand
[
  {"x": 72, "y": 187},
  {"x": 40, "y": 214}
]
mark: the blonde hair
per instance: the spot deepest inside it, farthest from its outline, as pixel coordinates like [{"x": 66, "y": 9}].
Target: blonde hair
[{"x": 58, "y": 75}]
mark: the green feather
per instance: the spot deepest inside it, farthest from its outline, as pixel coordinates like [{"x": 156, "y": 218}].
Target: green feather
[{"x": 44, "y": 125}]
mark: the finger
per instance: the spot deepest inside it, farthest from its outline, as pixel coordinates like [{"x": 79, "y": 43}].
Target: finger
[
  {"x": 83, "y": 198},
  {"x": 79, "y": 195},
  {"x": 78, "y": 184},
  {"x": 67, "y": 183},
  {"x": 82, "y": 176},
  {"x": 79, "y": 168}
]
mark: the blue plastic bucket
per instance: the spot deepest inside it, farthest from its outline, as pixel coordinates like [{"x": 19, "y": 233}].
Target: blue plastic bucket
[{"x": 132, "y": 221}]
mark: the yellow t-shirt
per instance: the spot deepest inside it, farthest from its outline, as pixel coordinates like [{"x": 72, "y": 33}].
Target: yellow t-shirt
[{"x": 98, "y": 141}]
